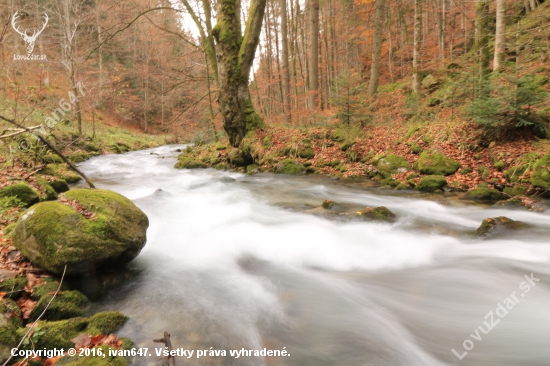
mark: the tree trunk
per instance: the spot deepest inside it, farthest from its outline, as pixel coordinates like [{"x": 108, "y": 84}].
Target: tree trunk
[
  {"x": 416, "y": 86},
  {"x": 235, "y": 54},
  {"x": 482, "y": 36},
  {"x": 314, "y": 53},
  {"x": 286, "y": 68},
  {"x": 376, "y": 48},
  {"x": 500, "y": 36}
]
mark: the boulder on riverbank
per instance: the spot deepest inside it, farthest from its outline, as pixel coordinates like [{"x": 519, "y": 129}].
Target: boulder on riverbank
[
  {"x": 483, "y": 194},
  {"x": 22, "y": 192},
  {"x": 86, "y": 229},
  {"x": 540, "y": 177},
  {"x": 431, "y": 183},
  {"x": 436, "y": 164}
]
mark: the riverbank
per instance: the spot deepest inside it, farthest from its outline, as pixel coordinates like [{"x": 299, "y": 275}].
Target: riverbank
[{"x": 31, "y": 174}]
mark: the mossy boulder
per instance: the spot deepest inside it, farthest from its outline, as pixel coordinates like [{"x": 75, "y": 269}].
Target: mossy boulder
[
  {"x": 290, "y": 166},
  {"x": 483, "y": 194},
  {"x": 392, "y": 164},
  {"x": 23, "y": 192},
  {"x": 60, "y": 185},
  {"x": 109, "y": 232},
  {"x": 66, "y": 305},
  {"x": 376, "y": 214},
  {"x": 499, "y": 225},
  {"x": 431, "y": 183},
  {"x": 62, "y": 172},
  {"x": 436, "y": 164},
  {"x": 106, "y": 322},
  {"x": 540, "y": 177},
  {"x": 306, "y": 153},
  {"x": 47, "y": 286},
  {"x": 8, "y": 340},
  {"x": 239, "y": 157}
]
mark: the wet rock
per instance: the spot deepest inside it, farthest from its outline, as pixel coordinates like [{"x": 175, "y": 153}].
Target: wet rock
[
  {"x": 483, "y": 194},
  {"x": 107, "y": 230},
  {"x": 522, "y": 203},
  {"x": 375, "y": 214},
  {"x": 499, "y": 225},
  {"x": 239, "y": 158},
  {"x": 431, "y": 183},
  {"x": 436, "y": 164},
  {"x": 328, "y": 204},
  {"x": 185, "y": 162}
]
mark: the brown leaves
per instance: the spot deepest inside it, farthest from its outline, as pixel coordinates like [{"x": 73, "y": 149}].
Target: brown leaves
[
  {"x": 77, "y": 206},
  {"x": 26, "y": 304},
  {"x": 89, "y": 341}
]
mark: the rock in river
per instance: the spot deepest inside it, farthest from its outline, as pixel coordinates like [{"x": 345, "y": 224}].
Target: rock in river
[{"x": 86, "y": 229}]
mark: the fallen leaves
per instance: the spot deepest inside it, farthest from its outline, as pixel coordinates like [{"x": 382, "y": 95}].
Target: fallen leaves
[{"x": 78, "y": 207}]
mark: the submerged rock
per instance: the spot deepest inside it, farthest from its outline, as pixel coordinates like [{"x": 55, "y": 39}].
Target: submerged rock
[
  {"x": 436, "y": 164},
  {"x": 522, "y": 203},
  {"x": 499, "y": 225},
  {"x": 91, "y": 229},
  {"x": 376, "y": 214},
  {"x": 21, "y": 191}
]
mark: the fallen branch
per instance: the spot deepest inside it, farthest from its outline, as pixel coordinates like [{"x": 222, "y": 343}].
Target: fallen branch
[
  {"x": 168, "y": 345},
  {"x": 37, "y": 319},
  {"x": 18, "y": 131},
  {"x": 52, "y": 148}
]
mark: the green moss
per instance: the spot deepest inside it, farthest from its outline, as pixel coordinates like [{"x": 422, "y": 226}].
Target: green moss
[
  {"x": 120, "y": 147},
  {"x": 11, "y": 312},
  {"x": 290, "y": 166},
  {"x": 79, "y": 157},
  {"x": 8, "y": 230},
  {"x": 55, "y": 334},
  {"x": 185, "y": 162},
  {"x": 416, "y": 149},
  {"x": 62, "y": 172},
  {"x": 483, "y": 194},
  {"x": 52, "y": 159},
  {"x": 306, "y": 153},
  {"x": 499, "y": 165},
  {"x": 412, "y": 176},
  {"x": 335, "y": 163},
  {"x": 67, "y": 304},
  {"x": 431, "y": 183},
  {"x": 392, "y": 164},
  {"x": 376, "y": 214},
  {"x": 436, "y": 164},
  {"x": 47, "y": 286},
  {"x": 346, "y": 145},
  {"x": 21, "y": 191},
  {"x": 13, "y": 286},
  {"x": 8, "y": 336},
  {"x": 252, "y": 169},
  {"x": 328, "y": 204},
  {"x": 513, "y": 174},
  {"x": 401, "y": 187},
  {"x": 540, "y": 177},
  {"x": 253, "y": 120},
  {"x": 465, "y": 171},
  {"x": 516, "y": 190},
  {"x": 53, "y": 234},
  {"x": 498, "y": 225},
  {"x": 107, "y": 322}
]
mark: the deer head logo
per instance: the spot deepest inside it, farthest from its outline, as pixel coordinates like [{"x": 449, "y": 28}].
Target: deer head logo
[{"x": 29, "y": 40}]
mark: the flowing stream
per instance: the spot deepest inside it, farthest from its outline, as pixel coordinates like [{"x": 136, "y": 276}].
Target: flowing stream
[{"x": 235, "y": 261}]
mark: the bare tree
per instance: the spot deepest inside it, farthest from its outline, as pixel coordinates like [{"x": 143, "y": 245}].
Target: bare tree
[
  {"x": 376, "y": 48},
  {"x": 416, "y": 86},
  {"x": 314, "y": 52},
  {"x": 500, "y": 35},
  {"x": 286, "y": 68}
]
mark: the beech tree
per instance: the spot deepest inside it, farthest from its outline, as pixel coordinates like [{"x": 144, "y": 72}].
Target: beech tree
[
  {"x": 416, "y": 86},
  {"x": 500, "y": 35},
  {"x": 376, "y": 48}
]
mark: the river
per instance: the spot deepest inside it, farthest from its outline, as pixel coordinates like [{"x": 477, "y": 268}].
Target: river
[{"x": 235, "y": 261}]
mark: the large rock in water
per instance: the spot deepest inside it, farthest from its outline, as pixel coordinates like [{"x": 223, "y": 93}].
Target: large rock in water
[{"x": 87, "y": 229}]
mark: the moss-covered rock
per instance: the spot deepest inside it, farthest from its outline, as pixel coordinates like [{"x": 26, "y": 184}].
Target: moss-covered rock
[
  {"x": 306, "y": 153},
  {"x": 13, "y": 286},
  {"x": 23, "y": 192},
  {"x": 110, "y": 233},
  {"x": 10, "y": 313},
  {"x": 47, "y": 286},
  {"x": 401, "y": 187},
  {"x": 55, "y": 334},
  {"x": 415, "y": 148},
  {"x": 540, "y": 177},
  {"x": 185, "y": 162},
  {"x": 466, "y": 171},
  {"x": 376, "y": 214},
  {"x": 392, "y": 164},
  {"x": 8, "y": 340},
  {"x": 499, "y": 225},
  {"x": 60, "y": 185},
  {"x": 62, "y": 172},
  {"x": 483, "y": 194},
  {"x": 431, "y": 183},
  {"x": 66, "y": 305},
  {"x": 290, "y": 166},
  {"x": 522, "y": 203},
  {"x": 239, "y": 157},
  {"x": 518, "y": 190},
  {"x": 513, "y": 174},
  {"x": 436, "y": 164},
  {"x": 106, "y": 322},
  {"x": 120, "y": 147}
]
